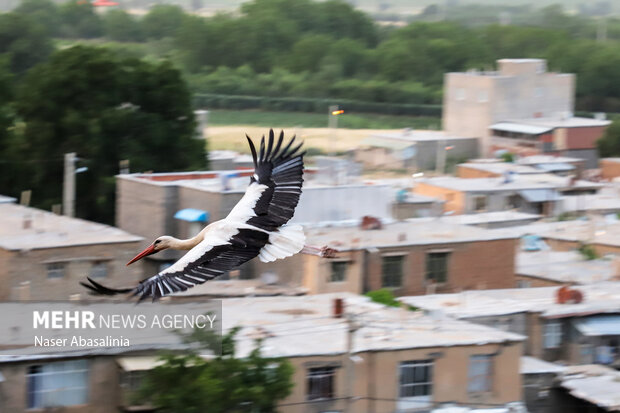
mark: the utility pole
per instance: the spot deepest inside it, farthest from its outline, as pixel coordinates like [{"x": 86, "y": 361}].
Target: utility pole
[
  {"x": 332, "y": 121},
  {"x": 349, "y": 365},
  {"x": 68, "y": 190}
]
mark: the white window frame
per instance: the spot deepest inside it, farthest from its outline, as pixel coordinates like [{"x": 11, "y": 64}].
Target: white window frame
[
  {"x": 45, "y": 387},
  {"x": 418, "y": 367},
  {"x": 552, "y": 334},
  {"x": 480, "y": 382}
]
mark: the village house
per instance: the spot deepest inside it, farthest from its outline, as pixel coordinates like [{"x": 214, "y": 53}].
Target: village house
[
  {"x": 410, "y": 257},
  {"x": 531, "y": 193},
  {"x": 557, "y": 268},
  {"x": 420, "y": 362},
  {"x": 579, "y": 325},
  {"x": 417, "y": 150},
  {"x": 44, "y": 256},
  {"x": 181, "y": 204},
  {"x": 521, "y": 108}
]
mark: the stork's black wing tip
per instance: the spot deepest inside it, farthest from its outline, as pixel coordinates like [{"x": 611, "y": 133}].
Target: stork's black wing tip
[{"x": 98, "y": 289}]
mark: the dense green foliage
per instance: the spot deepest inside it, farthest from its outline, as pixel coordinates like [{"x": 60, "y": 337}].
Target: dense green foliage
[
  {"x": 609, "y": 143},
  {"x": 383, "y": 296},
  {"x": 308, "y": 49},
  {"x": 191, "y": 384},
  {"x": 106, "y": 109}
]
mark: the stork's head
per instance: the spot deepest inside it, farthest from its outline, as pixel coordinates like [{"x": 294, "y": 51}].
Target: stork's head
[{"x": 160, "y": 244}]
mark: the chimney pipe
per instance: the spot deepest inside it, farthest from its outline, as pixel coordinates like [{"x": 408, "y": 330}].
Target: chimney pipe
[{"x": 338, "y": 309}]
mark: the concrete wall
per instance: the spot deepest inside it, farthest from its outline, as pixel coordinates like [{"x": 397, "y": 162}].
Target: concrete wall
[
  {"x": 465, "y": 171},
  {"x": 520, "y": 89},
  {"x": 610, "y": 168},
  {"x": 31, "y": 266},
  {"x": 376, "y": 377},
  {"x": 453, "y": 200},
  {"x": 104, "y": 388}
]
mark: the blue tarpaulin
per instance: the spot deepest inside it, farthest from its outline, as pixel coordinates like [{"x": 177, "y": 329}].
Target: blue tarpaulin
[{"x": 192, "y": 215}]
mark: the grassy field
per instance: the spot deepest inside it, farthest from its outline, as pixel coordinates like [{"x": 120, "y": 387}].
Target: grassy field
[
  {"x": 317, "y": 120},
  {"x": 317, "y": 140}
]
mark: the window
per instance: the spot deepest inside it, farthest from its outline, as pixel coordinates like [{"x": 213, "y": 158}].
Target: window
[
  {"x": 524, "y": 284},
  {"x": 55, "y": 270},
  {"x": 437, "y": 266},
  {"x": 483, "y": 96},
  {"x": 99, "y": 269},
  {"x": 459, "y": 94},
  {"x": 479, "y": 374},
  {"x": 416, "y": 378},
  {"x": 480, "y": 203},
  {"x": 321, "y": 383},
  {"x": 553, "y": 334},
  {"x": 392, "y": 271},
  {"x": 339, "y": 271},
  {"x": 58, "y": 384}
]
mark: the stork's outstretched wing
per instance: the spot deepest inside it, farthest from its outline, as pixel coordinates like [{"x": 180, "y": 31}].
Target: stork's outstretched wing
[
  {"x": 274, "y": 191},
  {"x": 214, "y": 256},
  {"x": 253, "y": 227}
]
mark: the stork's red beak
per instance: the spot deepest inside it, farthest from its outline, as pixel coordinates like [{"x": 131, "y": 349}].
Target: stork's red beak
[{"x": 148, "y": 251}]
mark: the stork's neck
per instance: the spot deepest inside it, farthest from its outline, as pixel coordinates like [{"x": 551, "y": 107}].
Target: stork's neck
[{"x": 186, "y": 244}]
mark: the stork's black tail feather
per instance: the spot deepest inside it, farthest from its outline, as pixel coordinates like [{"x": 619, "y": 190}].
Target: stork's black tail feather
[{"x": 97, "y": 289}]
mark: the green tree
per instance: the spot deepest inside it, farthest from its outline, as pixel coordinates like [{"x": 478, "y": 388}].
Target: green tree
[
  {"x": 122, "y": 27},
  {"x": 43, "y": 12},
  {"x": 79, "y": 20},
  {"x": 105, "y": 108},
  {"x": 163, "y": 20},
  {"x": 609, "y": 143},
  {"x": 190, "y": 384},
  {"x": 23, "y": 42},
  {"x": 9, "y": 169}
]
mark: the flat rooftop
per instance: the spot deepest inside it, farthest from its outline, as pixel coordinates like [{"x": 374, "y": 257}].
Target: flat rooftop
[
  {"x": 595, "y": 230},
  {"x": 48, "y": 230},
  {"x": 419, "y": 231},
  {"x": 289, "y": 327},
  {"x": 597, "y": 384},
  {"x": 497, "y": 217},
  {"x": 544, "y": 159},
  {"x": 518, "y": 183},
  {"x": 304, "y": 326},
  {"x": 564, "y": 266},
  {"x": 599, "y": 298},
  {"x": 533, "y": 365},
  {"x": 416, "y": 135},
  {"x": 563, "y": 122},
  {"x": 502, "y": 167}
]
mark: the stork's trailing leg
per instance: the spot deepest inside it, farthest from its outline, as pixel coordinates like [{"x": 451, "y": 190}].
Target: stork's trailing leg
[{"x": 323, "y": 252}]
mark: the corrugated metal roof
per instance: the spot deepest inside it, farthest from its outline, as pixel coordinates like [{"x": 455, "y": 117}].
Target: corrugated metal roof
[{"x": 520, "y": 128}]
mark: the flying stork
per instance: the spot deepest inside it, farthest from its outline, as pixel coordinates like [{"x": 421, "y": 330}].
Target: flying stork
[{"x": 256, "y": 226}]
